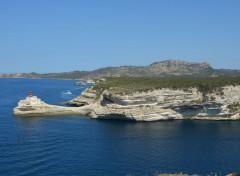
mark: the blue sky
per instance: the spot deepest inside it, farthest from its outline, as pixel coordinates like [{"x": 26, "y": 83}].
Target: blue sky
[{"x": 65, "y": 35}]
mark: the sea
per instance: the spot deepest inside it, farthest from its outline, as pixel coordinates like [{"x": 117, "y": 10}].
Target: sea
[{"x": 77, "y": 145}]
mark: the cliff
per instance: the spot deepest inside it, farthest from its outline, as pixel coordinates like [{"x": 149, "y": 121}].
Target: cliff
[
  {"x": 221, "y": 103},
  {"x": 163, "y": 104},
  {"x": 33, "y": 106}
]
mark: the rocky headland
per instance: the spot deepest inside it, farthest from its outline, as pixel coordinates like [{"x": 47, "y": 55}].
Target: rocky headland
[
  {"x": 34, "y": 106},
  {"x": 164, "y": 103}
]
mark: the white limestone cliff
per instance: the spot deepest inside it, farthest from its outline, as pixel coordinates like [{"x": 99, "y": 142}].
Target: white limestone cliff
[{"x": 153, "y": 105}]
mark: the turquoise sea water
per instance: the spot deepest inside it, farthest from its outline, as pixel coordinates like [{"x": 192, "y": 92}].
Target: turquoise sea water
[{"x": 76, "y": 145}]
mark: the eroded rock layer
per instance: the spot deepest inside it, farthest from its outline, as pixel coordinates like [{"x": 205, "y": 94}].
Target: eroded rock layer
[{"x": 162, "y": 104}]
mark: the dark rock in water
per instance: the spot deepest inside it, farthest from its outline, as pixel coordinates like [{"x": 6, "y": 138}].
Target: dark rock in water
[{"x": 80, "y": 83}]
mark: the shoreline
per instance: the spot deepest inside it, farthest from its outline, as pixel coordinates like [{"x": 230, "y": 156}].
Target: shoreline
[
  {"x": 44, "y": 109},
  {"x": 45, "y": 78},
  {"x": 135, "y": 107}
]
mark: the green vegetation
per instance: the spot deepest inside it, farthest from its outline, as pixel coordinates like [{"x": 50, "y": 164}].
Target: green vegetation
[
  {"x": 133, "y": 84},
  {"x": 233, "y": 107},
  {"x": 212, "y": 98},
  {"x": 172, "y": 68}
]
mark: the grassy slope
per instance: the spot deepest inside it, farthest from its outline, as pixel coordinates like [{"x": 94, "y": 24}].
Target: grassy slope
[{"x": 132, "y": 84}]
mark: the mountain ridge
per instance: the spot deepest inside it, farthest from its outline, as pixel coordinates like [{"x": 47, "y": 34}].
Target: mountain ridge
[{"x": 167, "y": 68}]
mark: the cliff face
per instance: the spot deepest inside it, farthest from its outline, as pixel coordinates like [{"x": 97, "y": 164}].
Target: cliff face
[
  {"x": 33, "y": 106},
  {"x": 153, "y": 105},
  {"x": 162, "y": 104}
]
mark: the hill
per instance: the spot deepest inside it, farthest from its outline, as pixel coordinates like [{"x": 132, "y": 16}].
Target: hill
[{"x": 168, "y": 68}]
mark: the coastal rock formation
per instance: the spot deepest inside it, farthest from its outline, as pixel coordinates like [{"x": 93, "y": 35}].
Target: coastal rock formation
[
  {"x": 153, "y": 105},
  {"x": 163, "y": 104},
  {"x": 80, "y": 83},
  {"x": 33, "y": 106}
]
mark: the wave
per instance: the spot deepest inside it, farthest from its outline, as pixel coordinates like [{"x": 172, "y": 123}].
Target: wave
[{"x": 68, "y": 93}]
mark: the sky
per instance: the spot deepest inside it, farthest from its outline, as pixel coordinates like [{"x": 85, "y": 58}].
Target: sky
[{"x": 65, "y": 35}]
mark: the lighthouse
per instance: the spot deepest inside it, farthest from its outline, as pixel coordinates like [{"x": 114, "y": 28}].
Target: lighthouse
[
  {"x": 30, "y": 101},
  {"x": 30, "y": 97}
]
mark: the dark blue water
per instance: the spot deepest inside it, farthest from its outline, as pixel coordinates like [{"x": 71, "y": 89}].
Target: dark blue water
[{"x": 75, "y": 145}]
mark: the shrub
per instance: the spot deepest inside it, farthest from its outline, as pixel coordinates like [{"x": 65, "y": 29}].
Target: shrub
[
  {"x": 132, "y": 84},
  {"x": 233, "y": 107},
  {"x": 212, "y": 98}
]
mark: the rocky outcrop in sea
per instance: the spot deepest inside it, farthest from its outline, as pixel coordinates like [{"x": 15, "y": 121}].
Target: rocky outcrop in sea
[{"x": 80, "y": 83}]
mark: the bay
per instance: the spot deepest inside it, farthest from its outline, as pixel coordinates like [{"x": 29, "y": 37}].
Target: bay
[{"x": 77, "y": 145}]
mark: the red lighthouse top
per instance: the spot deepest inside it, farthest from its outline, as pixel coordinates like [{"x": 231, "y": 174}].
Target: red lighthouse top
[{"x": 30, "y": 94}]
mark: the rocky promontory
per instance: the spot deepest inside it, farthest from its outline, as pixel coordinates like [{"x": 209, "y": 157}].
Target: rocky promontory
[
  {"x": 33, "y": 106},
  {"x": 151, "y": 105},
  {"x": 162, "y": 104}
]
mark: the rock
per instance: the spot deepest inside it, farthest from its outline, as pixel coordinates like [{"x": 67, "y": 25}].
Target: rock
[
  {"x": 154, "y": 105},
  {"x": 91, "y": 81},
  {"x": 80, "y": 83},
  {"x": 34, "y": 106},
  {"x": 162, "y": 105}
]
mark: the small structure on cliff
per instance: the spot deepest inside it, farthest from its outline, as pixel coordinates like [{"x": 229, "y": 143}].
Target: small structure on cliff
[
  {"x": 34, "y": 106},
  {"x": 30, "y": 101}
]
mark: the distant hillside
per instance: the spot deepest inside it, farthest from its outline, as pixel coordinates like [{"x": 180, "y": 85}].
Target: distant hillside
[{"x": 168, "y": 68}]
